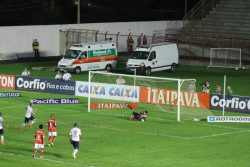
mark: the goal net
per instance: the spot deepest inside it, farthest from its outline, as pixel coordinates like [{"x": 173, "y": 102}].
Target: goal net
[
  {"x": 225, "y": 57},
  {"x": 177, "y": 97}
]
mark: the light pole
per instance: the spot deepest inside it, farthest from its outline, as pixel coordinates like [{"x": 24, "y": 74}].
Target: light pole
[{"x": 77, "y": 2}]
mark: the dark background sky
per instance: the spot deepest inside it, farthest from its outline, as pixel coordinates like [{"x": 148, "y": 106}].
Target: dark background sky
[{"x": 44, "y": 12}]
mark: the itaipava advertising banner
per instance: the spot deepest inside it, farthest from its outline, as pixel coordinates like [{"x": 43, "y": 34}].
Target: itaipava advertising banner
[{"x": 169, "y": 97}]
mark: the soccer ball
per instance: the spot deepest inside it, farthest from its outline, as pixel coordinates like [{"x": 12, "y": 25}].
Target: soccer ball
[
  {"x": 196, "y": 119},
  {"x": 142, "y": 120},
  {"x": 236, "y": 68}
]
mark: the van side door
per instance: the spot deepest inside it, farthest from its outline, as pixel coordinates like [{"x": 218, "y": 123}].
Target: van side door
[{"x": 152, "y": 59}]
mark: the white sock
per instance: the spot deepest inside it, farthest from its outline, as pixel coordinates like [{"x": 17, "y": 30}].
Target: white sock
[
  {"x": 75, "y": 151},
  {"x": 2, "y": 138},
  {"x": 23, "y": 125},
  {"x": 32, "y": 122}
]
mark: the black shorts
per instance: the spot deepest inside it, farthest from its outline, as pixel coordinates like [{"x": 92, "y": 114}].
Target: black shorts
[
  {"x": 26, "y": 120},
  {"x": 1, "y": 132},
  {"x": 75, "y": 144}
]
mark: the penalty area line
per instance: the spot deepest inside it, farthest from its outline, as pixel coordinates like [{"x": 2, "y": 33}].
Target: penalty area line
[
  {"x": 220, "y": 134},
  {"x": 42, "y": 159},
  {"x": 11, "y": 107},
  {"x": 138, "y": 132}
]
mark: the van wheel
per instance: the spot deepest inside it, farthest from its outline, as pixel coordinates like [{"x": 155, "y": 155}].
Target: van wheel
[
  {"x": 148, "y": 71},
  {"x": 77, "y": 70},
  {"x": 173, "y": 68},
  {"x": 108, "y": 68}
]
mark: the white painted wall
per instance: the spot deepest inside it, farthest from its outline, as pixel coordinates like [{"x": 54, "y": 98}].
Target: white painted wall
[{"x": 17, "y": 40}]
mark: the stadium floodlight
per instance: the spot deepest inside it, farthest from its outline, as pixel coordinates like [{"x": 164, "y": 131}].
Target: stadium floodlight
[
  {"x": 166, "y": 94},
  {"x": 225, "y": 58}
]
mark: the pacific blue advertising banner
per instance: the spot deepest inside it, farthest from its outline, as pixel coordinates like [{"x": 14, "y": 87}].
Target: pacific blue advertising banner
[
  {"x": 45, "y": 85},
  {"x": 56, "y": 101},
  {"x": 231, "y": 103}
]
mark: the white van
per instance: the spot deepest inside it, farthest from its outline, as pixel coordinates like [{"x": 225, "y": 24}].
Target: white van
[
  {"x": 89, "y": 56},
  {"x": 154, "y": 57}
]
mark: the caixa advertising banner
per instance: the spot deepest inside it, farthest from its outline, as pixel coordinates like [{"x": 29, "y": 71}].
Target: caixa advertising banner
[
  {"x": 231, "y": 103},
  {"x": 108, "y": 91},
  {"x": 45, "y": 85}
]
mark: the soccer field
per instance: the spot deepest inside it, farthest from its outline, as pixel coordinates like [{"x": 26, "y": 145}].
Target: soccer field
[{"x": 112, "y": 141}]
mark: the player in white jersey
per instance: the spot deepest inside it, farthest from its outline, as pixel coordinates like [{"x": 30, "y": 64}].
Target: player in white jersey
[
  {"x": 1, "y": 129},
  {"x": 75, "y": 138},
  {"x": 28, "y": 117}
]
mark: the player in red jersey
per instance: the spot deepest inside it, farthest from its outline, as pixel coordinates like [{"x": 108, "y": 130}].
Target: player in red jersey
[
  {"x": 39, "y": 141},
  {"x": 52, "y": 130}
]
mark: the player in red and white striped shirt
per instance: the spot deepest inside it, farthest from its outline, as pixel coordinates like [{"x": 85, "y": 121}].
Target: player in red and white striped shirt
[
  {"x": 39, "y": 141},
  {"x": 51, "y": 130}
]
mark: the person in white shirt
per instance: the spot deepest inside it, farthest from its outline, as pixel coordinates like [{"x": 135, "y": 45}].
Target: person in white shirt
[
  {"x": 1, "y": 129},
  {"x": 75, "y": 138},
  {"x": 120, "y": 81},
  {"x": 28, "y": 117},
  {"x": 26, "y": 73},
  {"x": 192, "y": 87},
  {"x": 59, "y": 76},
  {"x": 66, "y": 76}
]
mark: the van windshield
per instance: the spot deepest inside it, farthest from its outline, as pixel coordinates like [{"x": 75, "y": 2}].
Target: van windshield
[
  {"x": 72, "y": 54},
  {"x": 139, "y": 55}
]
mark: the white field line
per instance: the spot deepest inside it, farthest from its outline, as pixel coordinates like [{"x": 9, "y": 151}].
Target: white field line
[
  {"x": 220, "y": 134},
  {"x": 136, "y": 132},
  {"x": 42, "y": 159},
  {"x": 2, "y": 108},
  {"x": 220, "y": 126}
]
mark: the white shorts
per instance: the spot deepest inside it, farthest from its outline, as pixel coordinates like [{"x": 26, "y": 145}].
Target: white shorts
[
  {"x": 52, "y": 134},
  {"x": 39, "y": 146}
]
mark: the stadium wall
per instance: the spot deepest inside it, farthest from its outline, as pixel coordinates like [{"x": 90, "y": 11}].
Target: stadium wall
[{"x": 16, "y": 41}]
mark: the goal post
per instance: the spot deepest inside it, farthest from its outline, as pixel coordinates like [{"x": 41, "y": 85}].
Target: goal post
[
  {"x": 170, "y": 95},
  {"x": 225, "y": 58}
]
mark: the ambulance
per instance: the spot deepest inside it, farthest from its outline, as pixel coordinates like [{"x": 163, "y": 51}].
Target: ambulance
[
  {"x": 154, "y": 57},
  {"x": 89, "y": 56}
]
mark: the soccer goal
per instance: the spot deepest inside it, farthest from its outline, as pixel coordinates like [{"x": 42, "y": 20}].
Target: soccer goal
[
  {"x": 225, "y": 57},
  {"x": 178, "y": 97}
]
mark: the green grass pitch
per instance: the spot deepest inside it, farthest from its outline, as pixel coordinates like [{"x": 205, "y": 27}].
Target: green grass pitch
[{"x": 112, "y": 141}]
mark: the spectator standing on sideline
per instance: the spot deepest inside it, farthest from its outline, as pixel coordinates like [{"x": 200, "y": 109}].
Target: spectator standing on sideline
[
  {"x": 26, "y": 73},
  {"x": 192, "y": 87},
  {"x": 218, "y": 89},
  {"x": 35, "y": 46},
  {"x": 75, "y": 139},
  {"x": 229, "y": 90},
  {"x": 144, "y": 40},
  {"x": 66, "y": 76},
  {"x": 139, "y": 41},
  {"x": 120, "y": 81},
  {"x": 59, "y": 76},
  {"x": 39, "y": 141},
  {"x": 130, "y": 43}
]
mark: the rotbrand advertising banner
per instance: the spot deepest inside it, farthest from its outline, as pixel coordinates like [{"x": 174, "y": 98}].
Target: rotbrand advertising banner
[
  {"x": 45, "y": 85},
  {"x": 7, "y": 81},
  {"x": 231, "y": 103},
  {"x": 108, "y": 91},
  {"x": 228, "y": 119},
  {"x": 169, "y": 97}
]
